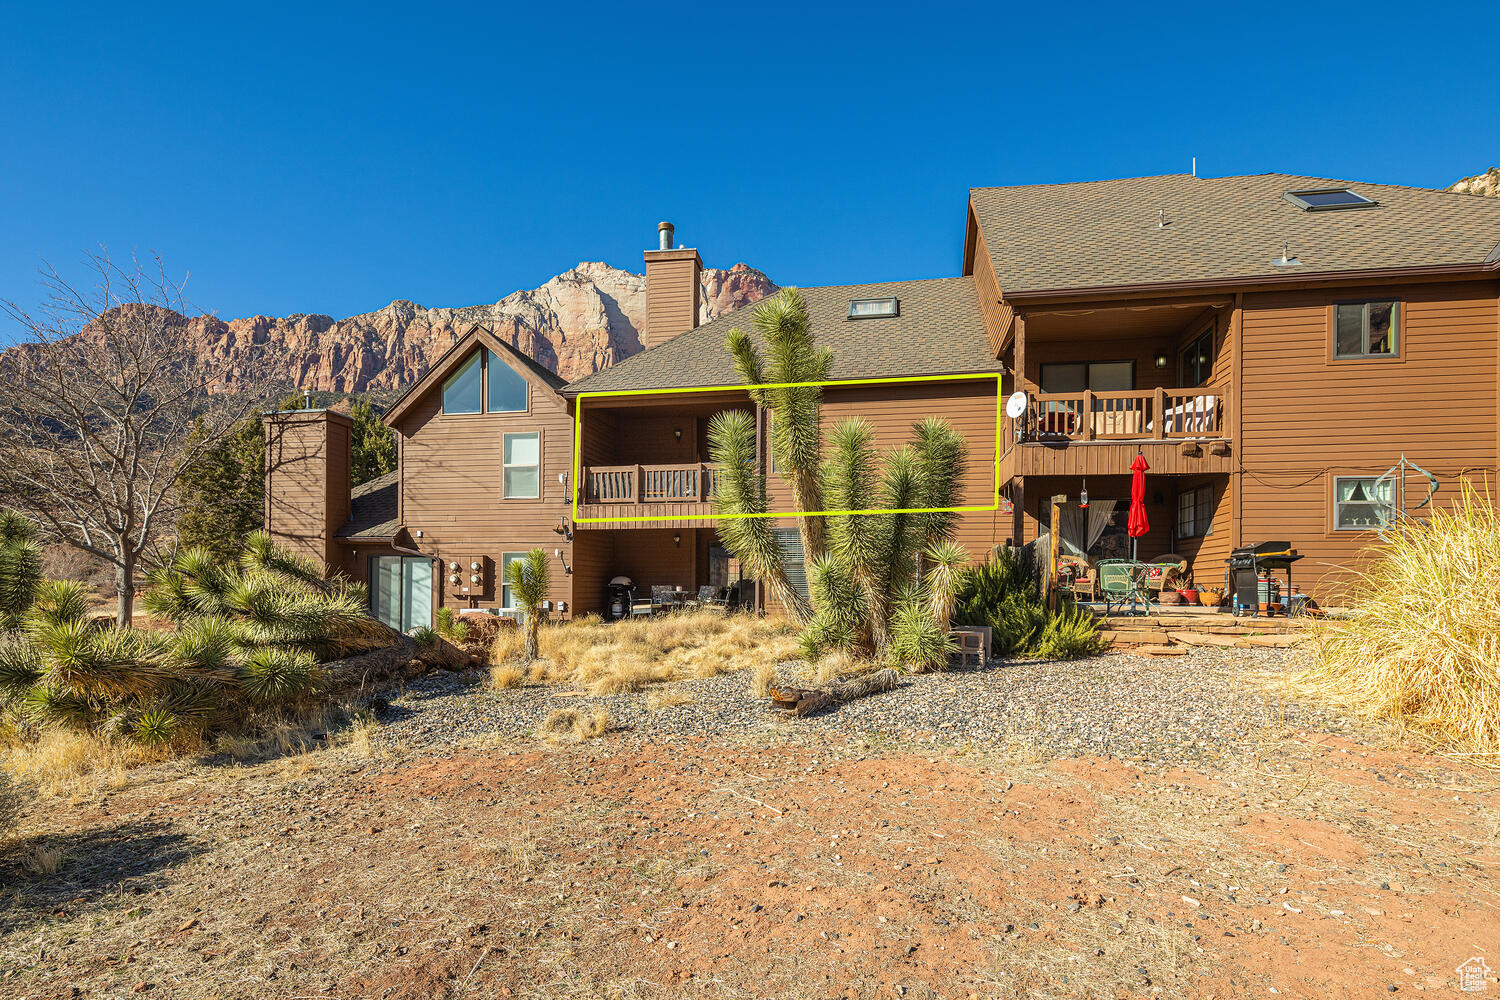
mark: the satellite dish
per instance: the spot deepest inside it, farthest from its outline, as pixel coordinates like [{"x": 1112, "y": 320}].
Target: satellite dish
[{"x": 1015, "y": 405}]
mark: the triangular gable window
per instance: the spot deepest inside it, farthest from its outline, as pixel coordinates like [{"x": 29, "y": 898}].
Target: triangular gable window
[
  {"x": 507, "y": 387},
  {"x": 462, "y": 392}
]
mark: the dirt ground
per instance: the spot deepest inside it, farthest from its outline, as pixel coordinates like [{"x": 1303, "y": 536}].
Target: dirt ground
[{"x": 642, "y": 865}]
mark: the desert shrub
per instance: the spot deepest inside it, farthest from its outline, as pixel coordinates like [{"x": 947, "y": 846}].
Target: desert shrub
[
  {"x": 1421, "y": 643},
  {"x": 449, "y": 627},
  {"x": 509, "y": 643},
  {"x": 570, "y": 725},
  {"x": 1070, "y": 634},
  {"x": 1005, "y": 593},
  {"x": 529, "y": 582},
  {"x": 20, "y": 567},
  {"x": 506, "y": 675},
  {"x": 244, "y": 638}
]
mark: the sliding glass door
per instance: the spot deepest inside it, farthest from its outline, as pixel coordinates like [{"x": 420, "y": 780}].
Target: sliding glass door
[{"x": 401, "y": 591}]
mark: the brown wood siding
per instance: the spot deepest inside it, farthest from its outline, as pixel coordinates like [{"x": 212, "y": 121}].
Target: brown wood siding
[
  {"x": 451, "y": 489},
  {"x": 1306, "y": 418},
  {"x": 997, "y": 313}
]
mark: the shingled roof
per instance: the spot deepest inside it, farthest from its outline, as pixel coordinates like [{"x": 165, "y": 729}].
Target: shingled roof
[
  {"x": 1099, "y": 234},
  {"x": 372, "y": 509},
  {"x": 939, "y": 331}
]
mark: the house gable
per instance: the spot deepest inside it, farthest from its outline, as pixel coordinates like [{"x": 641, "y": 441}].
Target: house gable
[{"x": 539, "y": 378}]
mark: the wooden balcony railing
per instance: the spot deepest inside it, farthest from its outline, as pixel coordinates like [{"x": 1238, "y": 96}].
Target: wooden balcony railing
[
  {"x": 618, "y": 484},
  {"x": 1137, "y": 415}
]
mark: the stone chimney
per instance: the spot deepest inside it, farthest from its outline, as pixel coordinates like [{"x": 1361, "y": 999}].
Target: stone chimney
[
  {"x": 672, "y": 289},
  {"x": 307, "y": 481}
]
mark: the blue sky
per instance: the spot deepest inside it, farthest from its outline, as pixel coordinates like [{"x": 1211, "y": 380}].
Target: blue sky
[{"x": 329, "y": 158}]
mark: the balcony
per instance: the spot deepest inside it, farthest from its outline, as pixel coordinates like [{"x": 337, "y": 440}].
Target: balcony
[
  {"x": 683, "y": 491},
  {"x": 1069, "y": 433}
]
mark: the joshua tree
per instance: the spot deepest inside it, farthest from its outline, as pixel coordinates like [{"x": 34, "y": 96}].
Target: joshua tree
[
  {"x": 528, "y": 578},
  {"x": 96, "y": 406},
  {"x": 865, "y": 569},
  {"x": 796, "y": 413},
  {"x": 20, "y": 567}
]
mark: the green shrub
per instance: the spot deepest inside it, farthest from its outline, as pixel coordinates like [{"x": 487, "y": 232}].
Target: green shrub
[
  {"x": 1005, "y": 593},
  {"x": 450, "y": 628}
]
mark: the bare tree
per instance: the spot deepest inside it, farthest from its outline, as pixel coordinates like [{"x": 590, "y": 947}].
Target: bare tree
[{"x": 95, "y": 408}]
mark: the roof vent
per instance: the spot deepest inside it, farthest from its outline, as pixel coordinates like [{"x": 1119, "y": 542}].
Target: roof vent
[
  {"x": 1284, "y": 260},
  {"x": 874, "y": 308},
  {"x": 1328, "y": 199}
]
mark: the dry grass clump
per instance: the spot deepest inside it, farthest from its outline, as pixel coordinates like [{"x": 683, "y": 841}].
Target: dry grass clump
[
  {"x": 631, "y": 655},
  {"x": 64, "y": 762},
  {"x": 569, "y": 725},
  {"x": 506, "y": 675},
  {"x": 1421, "y": 646},
  {"x": 509, "y": 646},
  {"x": 13, "y": 796}
]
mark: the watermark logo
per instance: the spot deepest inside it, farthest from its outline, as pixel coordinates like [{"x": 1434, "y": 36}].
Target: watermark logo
[{"x": 1473, "y": 976}]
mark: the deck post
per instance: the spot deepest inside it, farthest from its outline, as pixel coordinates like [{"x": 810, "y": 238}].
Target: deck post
[
  {"x": 639, "y": 484},
  {"x": 1052, "y": 546},
  {"x": 1161, "y": 414},
  {"x": 1087, "y": 416}
]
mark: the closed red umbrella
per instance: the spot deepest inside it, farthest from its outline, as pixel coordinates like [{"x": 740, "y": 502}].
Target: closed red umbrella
[{"x": 1138, "y": 524}]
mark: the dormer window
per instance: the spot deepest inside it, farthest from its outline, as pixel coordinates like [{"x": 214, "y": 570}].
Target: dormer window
[
  {"x": 874, "y": 308},
  {"x": 1328, "y": 199}
]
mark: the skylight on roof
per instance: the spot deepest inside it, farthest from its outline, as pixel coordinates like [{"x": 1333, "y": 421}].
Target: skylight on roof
[
  {"x": 874, "y": 308},
  {"x": 1328, "y": 199}
]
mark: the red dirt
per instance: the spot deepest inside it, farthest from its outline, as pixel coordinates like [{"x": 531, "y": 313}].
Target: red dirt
[{"x": 618, "y": 869}]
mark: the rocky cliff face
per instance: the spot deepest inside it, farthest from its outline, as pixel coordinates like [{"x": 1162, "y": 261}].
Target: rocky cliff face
[
  {"x": 1485, "y": 183},
  {"x": 579, "y": 322}
]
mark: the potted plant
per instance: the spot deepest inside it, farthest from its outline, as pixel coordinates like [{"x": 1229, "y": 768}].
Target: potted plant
[
  {"x": 1169, "y": 597},
  {"x": 1210, "y": 598},
  {"x": 1189, "y": 595}
]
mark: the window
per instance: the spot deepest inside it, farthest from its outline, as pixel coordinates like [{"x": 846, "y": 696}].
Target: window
[
  {"x": 874, "y": 308},
  {"x": 401, "y": 591},
  {"x": 1196, "y": 362},
  {"x": 789, "y": 541},
  {"x": 1328, "y": 199},
  {"x": 1098, "y": 376},
  {"x": 1195, "y": 512},
  {"x": 463, "y": 392},
  {"x": 507, "y": 603},
  {"x": 1361, "y": 503},
  {"x": 521, "y": 472},
  {"x": 1366, "y": 330},
  {"x": 507, "y": 387}
]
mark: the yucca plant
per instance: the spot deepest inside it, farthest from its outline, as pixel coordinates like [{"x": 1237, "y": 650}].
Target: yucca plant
[
  {"x": 529, "y": 583},
  {"x": 1005, "y": 593},
  {"x": 20, "y": 567}
]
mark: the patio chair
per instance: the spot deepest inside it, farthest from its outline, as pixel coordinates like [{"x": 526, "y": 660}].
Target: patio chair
[
  {"x": 661, "y": 599},
  {"x": 1122, "y": 582},
  {"x": 708, "y": 598},
  {"x": 1177, "y": 574},
  {"x": 1083, "y": 581}
]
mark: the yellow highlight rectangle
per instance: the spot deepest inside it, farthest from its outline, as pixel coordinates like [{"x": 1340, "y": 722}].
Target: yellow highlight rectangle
[{"x": 578, "y": 447}]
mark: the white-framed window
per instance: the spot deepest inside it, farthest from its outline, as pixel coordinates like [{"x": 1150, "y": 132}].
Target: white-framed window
[
  {"x": 1366, "y": 330},
  {"x": 521, "y": 472},
  {"x": 1362, "y": 503},
  {"x": 463, "y": 391},
  {"x": 507, "y": 600},
  {"x": 1195, "y": 512}
]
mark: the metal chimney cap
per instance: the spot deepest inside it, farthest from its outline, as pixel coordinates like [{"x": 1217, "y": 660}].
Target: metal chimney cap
[{"x": 664, "y": 231}]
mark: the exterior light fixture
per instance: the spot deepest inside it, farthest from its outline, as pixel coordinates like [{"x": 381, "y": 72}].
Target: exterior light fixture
[
  {"x": 677, "y": 539},
  {"x": 1161, "y": 359},
  {"x": 677, "y": 433}
]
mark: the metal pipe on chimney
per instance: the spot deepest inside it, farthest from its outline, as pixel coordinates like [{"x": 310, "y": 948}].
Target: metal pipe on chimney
[{"x": 664, "y": 231}]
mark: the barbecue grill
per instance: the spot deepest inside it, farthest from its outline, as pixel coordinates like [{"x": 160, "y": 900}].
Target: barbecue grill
[{"x": 1248, "y": 564}]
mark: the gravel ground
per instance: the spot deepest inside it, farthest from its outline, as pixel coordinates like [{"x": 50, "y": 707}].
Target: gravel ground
[{"x": 1166, "y": 711}]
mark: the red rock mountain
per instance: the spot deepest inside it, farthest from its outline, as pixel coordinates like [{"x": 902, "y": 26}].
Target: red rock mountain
[{"x": 577, "y": 323}]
